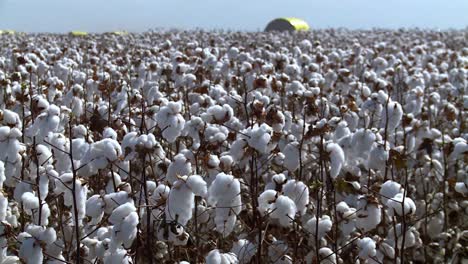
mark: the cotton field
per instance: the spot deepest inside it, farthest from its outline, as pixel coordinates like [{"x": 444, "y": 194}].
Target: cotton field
[{"x": 329, "y": 146}]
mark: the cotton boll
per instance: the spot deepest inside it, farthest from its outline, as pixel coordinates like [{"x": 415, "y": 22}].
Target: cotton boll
[
  {"x": 337, "y": 159},
  {"x": 180, "y": 166},
  {"x": 170, "y": 121},
  {"x": 326, "y": 256},
  {"x": 180, "y": 203},
  {"x": 265, "y": 201},
  {"x": 291, "y": 154},
  {"x": 377, "y": 158},
  {"x": 2, "y": 174},
  {"x": 388, "y": 190},
  {"x": 324, "y": 226},
  {"x": 277, "y": 250},
  {"x": 109, "y": 133},
  {"x": 121, "y": 212},
  {"x": 3, "y": 207},
  {"x": 95, "y": 208},
  {"x": 244, "y": 250},
  {"x": 395, "y": 205},
  {"x": 31, "y": 251},
  {"x": 30, "y": 201},
  {"x": 368, "y": 213},
  {"x": 48, "y": 236},
  {"x": 197, "y": 185},
  {"x": 362, "y": 142},
  {"x": 299, "y": 193},
  {"x": 259, "y": 138},
  {"x": 460, "y": 149},
  {"x": 216, "y": 257},
  {"x": 118, "y": 256},
  {"x": 348, "y": 218},
  {"x": 395, "y": 113},
  {"x": 126, "y": 231},
  {"x": 284, "y": 210},
  {"x": 461, "y": 188},
  {"x": 366, "y": 248},
  {"x": 224, "y": 194},
  {"x": 10, "y": 260},
  {"x": 112, "y": 200}
]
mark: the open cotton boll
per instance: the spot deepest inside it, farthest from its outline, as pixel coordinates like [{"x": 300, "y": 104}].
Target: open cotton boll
[
  {"x": 244, "y": 250},
  {"x": 276, "y": 183},
  {"x": 109, "y": 133},
  {"x": 369, "y": 214},
  {"x": 394, "y": 112},
  {"x": 284, "y": 210},
  {"x": 180, "y": 203},
  {"x": 180, "y": 166},
  {"x": 121, "y": 212},
  {"x": 170, "y": 121},
  {"x": 295, "y": 88},
  {"x": 80, "y": 148},
  {"x": 11, "y": 119},
  {"x": 216, "y": 257},
  {"x": 324, "y": 226},
  {"x": 367, "y": 248},
  {"x": 218, "y": 114},
  {"x": 299, "y": 193},
  {"x": 117, "y": 256},
  {"x": 327, "y": 256},
  {"x": 112, "y": 200},
  {"x": 377, "y": 157},
  {"x": 3, "y": 206},
  {"x": 337, "y": 159},
  {"x": 197, "y": 185},
  {"x": 126, "y": 230},
  {"x": 99, "y": 155},
  {"x": 95, "y": 208},
  {"x": 362, "y": 142},
  {"x": 2, "y": 174},
  {"x": 259, "y": 137},
  {"x": 388, "y": 190},
  {"x": 461, "y": 188},
  {"x": 266, "y": 200},
  {"x": 396, "y": 205},
  {"x": 30, "y": 201},
  {"x": 291, "y": 156},
  {"x": 460, "y": 149},
  {"x": 224, "y": 194},
  {"x": 411, "y": 236},
  {"x": 30, "y": 250},
  {"x": 348, "y": 218}
]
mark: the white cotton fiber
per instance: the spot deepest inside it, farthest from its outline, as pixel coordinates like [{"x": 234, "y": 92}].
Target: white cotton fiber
[
  {"x": 299, "y": 193},
  {"x": 366, "y": 248},
  {"x": 224, "y": 194},
  {"x": 396, "y": 205},
  {"x": 324, "y": 226},
  {"x": 244, "y": 250},
  {"x": 337, "y": 159}
]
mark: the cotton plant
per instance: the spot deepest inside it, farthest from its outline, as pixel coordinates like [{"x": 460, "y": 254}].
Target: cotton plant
[{"x": 218, "y": 142}]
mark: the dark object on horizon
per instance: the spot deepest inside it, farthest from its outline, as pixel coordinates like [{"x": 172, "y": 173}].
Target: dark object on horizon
[{"x": 287, "y": 24}]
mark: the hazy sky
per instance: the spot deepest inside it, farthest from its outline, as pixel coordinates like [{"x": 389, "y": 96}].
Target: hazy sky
[{"x": 141, "y": 15}]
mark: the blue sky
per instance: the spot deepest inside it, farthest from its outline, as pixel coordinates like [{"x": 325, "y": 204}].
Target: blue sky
[{"x": 141, "y": 15}]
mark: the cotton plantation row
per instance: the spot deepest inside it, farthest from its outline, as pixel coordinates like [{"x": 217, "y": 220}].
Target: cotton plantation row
[{"x": 330, "y": 146}]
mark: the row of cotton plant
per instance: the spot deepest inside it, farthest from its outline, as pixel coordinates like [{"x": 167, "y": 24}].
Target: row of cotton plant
[{"x": 329, "y": 146}]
